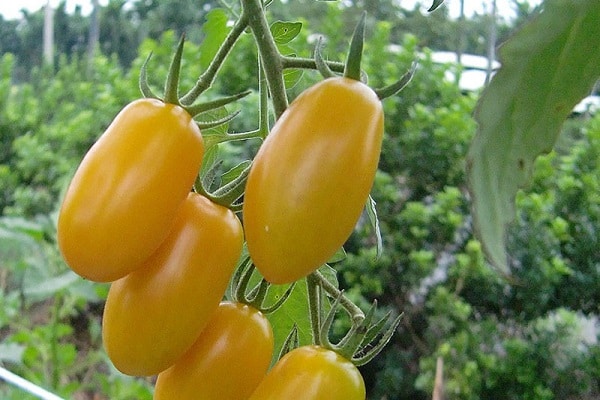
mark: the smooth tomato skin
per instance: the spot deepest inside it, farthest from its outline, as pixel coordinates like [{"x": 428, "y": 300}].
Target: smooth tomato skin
[
  {"x": 228, "y": 360},
  {"x": 153, "y": 315},
  {"x": 311, "y": 178},
  {"x": 312, "y": 373},
  {"x": 123, "y": 198}
]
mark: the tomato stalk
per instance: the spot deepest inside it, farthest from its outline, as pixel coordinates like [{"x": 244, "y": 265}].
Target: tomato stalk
[
  {"x": 253, "y": 10},
  {"x": 263, "y": 106},
  {"x": 310, "y": 63},
  {"x": 364, "y": 340},
  {"x": 256, "y": 296},
  {"x": 207, "y": 78},
  {"x": 314, "y": 306},
  {"x": 227, "y": 194},
  {"x": 356, "y": 314}
]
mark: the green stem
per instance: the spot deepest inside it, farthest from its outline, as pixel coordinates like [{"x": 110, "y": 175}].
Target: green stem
[
  {"x": 309, "y": 63},
  {"x": 314, "y": 307},
  {"x": 207, "y": 78},
  {"x": 267, "y": 49},
  {"x": 353, "y": 310},
  {"x": 263, "y": 101}
]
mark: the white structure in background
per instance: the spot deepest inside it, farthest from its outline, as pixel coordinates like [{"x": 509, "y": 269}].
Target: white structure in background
[
  {"x": 474, "y": 76},
  {"x": 589, "y": 105},
  {"x": 473, "y": 69}
]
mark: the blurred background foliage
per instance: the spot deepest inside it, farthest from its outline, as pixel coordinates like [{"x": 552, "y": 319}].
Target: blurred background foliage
[{"x": 534, "y": 338}]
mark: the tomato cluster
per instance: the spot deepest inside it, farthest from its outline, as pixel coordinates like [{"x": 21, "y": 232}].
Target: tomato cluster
[{"x": 129, "y": 217}]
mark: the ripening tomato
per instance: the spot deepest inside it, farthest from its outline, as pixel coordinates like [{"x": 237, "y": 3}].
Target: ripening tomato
[
  {"x": 311, "y": 178},
  {"x": 312, "y": 373},
  {"x": 154, "y": 315},
  {"x": 229, "y": 359},
  {"x": 123, "y": 198}
]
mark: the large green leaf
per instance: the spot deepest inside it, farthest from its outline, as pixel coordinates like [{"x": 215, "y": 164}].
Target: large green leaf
[
  {"x": 295, "y": 310},
  {"x": 215, "y": 30},
  {"x": 547, "y": 67}
]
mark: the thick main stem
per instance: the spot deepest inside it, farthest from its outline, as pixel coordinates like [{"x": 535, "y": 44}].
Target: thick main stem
[{"x": 270, "y": 56}]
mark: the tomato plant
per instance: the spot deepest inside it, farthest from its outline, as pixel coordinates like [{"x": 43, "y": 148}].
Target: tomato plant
[
  {"x": 153, "y": 315},
  {"x": 311, "y": 178},
  {"x": 227, "y": 361},
  {"x": 312, "y": 373},
  {"x": 124, "y": 196}
]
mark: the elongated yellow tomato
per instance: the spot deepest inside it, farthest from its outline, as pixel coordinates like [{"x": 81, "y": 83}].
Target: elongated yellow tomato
[
  {"x": 229, "y": 359},
  {"x": 312, "y": 373},
  {"x": 154, "y": 315},
  {"x": 124, "y": 196},
  {"x": 311, "y": 178}
]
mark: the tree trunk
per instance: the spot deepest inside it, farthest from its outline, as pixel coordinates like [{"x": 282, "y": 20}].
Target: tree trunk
[
  {"x": 94, "y": 35},
  {"x": 48, "y": 38}
]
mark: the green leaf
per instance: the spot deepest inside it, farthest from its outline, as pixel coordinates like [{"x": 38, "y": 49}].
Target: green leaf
[
  {"x": 16, "y": 226},
  {"x": 215, "y": 30},
  {"x": 234, "y": 172},
  {"x": 49, "y": 287},
  {"x": 291, "y": 77},
  {"x": 547, "y": 67},
  {"x": 339, "y": 255},
  {"x": 374, "y": 220},
  {"x": 212, "y": 135},
  {"x": 435, "y": 5},
  {"x": 293, "y": 312},
  {"x": 284, "y": 32}
]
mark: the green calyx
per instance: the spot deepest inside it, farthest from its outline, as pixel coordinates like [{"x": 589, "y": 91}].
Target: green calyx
[
  {"x": 171, "y": 91},
  {"x": 366, "y": 337},
  {"x": 255, "y": 296},
  {"x": 352, "y": 68}
]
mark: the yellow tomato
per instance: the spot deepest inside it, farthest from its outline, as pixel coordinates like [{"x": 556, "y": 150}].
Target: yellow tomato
[
  {"x": 311, "y": 178},
  {"x": 227, "y": 362},
  {"x": 312, "y": 373},
  {"x": 122, "y": 200},
  {"x": 154, "y": 315}
]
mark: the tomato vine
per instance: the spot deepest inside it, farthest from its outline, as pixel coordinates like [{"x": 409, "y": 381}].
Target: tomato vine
[{"x": 279, "y": 207}]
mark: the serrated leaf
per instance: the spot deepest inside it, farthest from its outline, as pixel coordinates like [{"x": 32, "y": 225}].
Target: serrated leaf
[
  {"x": 234, "y": 172},
  {"x": 213, "y": 115},
  {"x": 208, "y": 171},
  {"x": 215, "y": 30},
  {"x": 549, "y": 65},
  {"x": 291, "y": 77},
  {"x": 374, "y": 220},
  {"x": 284, "y": 32}
]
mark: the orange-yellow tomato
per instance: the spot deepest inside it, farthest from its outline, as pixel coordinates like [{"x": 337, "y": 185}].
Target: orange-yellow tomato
[
  {"x": 311, "y": 178},
  {"x": 123, "y": 198},
  {"x": 154, "y": 315},
  {"x": 312, "y": 373},
  {"x": 229, "y": 359}
]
